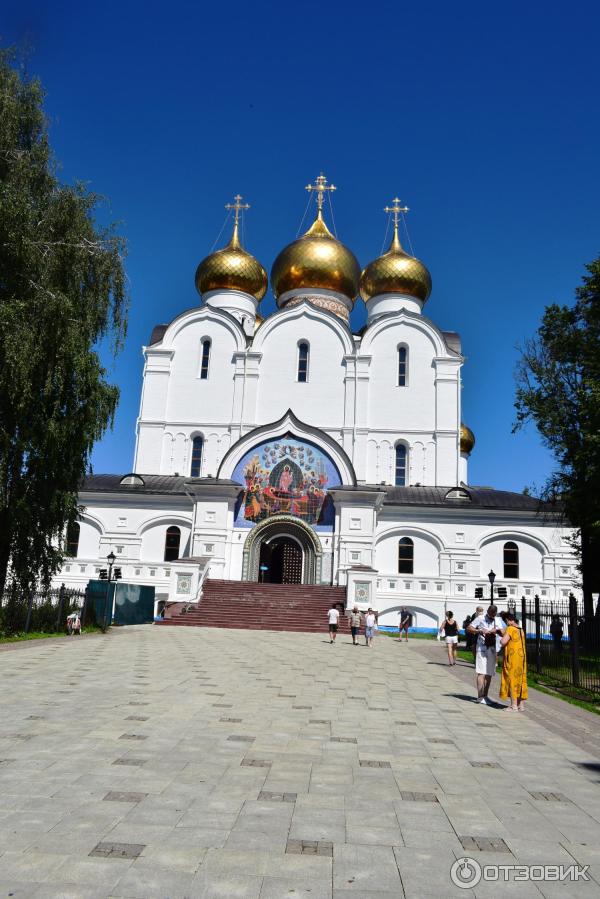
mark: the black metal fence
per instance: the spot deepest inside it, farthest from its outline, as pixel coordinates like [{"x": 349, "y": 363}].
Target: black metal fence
[
  {"x": 44, "y": 612},
  {"x": 563, "y": 644}
]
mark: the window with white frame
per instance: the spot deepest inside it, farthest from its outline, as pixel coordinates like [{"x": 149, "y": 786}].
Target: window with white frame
[
  {"x": 303, "y": 354},
  {"x": 402, "y": 366},
  {"x": 400, "y": 467},
  {"x": 204, "y": 358}
]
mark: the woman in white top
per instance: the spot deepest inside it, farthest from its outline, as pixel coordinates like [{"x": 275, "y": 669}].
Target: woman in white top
[{"x": 370, "y": 625}]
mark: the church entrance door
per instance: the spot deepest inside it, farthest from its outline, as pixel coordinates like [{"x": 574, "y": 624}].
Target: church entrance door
[{"x": 281, "y": 561}]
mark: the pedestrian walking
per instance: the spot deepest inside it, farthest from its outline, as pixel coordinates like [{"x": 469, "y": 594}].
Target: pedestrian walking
[
  {"x": 488, "y": 628},
  {"x": 370, "y": 626},
  {"x": 405, "y": 621},
  {"x": 355, "y": 618},
  {"x": 449, "y": 628},
  {"x": 333, "y": 616},
  {"x": 513, "y": 683}
]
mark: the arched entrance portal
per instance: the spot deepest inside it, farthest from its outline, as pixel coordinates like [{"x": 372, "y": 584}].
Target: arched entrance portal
[
  {"x": 280, "y": 561},
  {"x": 289, "y": 550}
]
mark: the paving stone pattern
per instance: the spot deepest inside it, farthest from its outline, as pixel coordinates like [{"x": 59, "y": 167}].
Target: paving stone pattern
[{"x": 301, "y": 792}]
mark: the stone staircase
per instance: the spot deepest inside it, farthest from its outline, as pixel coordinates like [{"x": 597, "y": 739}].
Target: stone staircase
[{"x": 263, "y": 607}]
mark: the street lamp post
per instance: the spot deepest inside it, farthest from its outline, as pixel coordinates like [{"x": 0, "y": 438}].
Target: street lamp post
[
  {"x": 111, "y": 558},
  {"x": 492, "y": 578}
]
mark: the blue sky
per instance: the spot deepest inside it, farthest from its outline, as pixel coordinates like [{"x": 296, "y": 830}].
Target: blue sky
[{"x": 481, "y": 117}]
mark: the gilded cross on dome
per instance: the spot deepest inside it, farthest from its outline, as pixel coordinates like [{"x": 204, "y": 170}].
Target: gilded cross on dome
[
  {"x": 237, "y": 207},
  {"x": 396, "y": 209},
  {"x": 321, "y": 187}
]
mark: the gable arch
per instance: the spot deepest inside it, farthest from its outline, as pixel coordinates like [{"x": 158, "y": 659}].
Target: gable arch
[
  {"x": 412, "y": 320},
  {"x": 288, "y": 423},
  {"x": 505, "y": 535},
  {"x": 294, "y": 313},
  {"x": 203, "y": 314}
]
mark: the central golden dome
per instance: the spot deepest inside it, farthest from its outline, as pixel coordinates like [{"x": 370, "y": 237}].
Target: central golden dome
[
  {"x": 232, "y": 268},
  {"x": 395, "y": 272},
  {"x": 316, "y": 260}
]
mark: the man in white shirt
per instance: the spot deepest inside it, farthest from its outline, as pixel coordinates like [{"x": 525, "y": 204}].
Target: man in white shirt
[
  {"x": 370, "y": 622},
  {"x": 333, "y": 616},
  {"x": 489, "y": 628}
]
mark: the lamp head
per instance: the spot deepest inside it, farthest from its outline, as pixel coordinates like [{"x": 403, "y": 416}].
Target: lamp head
[
  {"x": 492, "y": 577},
  {"x": 111, "y": 558}
]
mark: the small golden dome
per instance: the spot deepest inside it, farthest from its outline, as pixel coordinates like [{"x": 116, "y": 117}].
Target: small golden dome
[
  {"x": 316, "y": 260},
  {"x": 232, "y": 268},
  {"x": 395, "y": 272},
  {"x": 467, "y": 439}
]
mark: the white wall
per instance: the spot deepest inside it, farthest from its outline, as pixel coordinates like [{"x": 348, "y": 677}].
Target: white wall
[{"x": 319, "y": 401}]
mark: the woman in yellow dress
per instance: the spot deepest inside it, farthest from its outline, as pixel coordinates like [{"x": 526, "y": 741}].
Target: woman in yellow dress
[{"x": 513, "y": 684}]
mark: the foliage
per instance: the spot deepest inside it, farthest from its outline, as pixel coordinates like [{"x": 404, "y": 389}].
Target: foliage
[
  {"x": 48, "y": 615},
  {"x": 62, "y": 291},
  {"x": 558, "y": 388}
]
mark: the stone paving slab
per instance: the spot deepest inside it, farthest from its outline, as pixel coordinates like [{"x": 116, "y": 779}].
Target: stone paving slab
[{"x": 279, "y": 765}]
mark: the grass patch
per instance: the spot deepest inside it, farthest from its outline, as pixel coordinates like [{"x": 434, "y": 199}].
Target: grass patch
[
  {"x": 42, "y": 635},
  {"x": 540, "y": 682},
  {"x": 410, "y": 636}
]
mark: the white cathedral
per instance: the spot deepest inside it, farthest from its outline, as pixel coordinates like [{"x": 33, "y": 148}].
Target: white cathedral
[{"x": 290, "y": 450}]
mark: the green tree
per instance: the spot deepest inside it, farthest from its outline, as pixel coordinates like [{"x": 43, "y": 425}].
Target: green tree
[
  {"x": 62, "y": 293},
  {"x": 558, "y": 388}
]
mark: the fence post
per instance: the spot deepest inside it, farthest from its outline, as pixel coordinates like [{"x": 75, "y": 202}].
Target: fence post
[
  {"x": 574, "y": 639},
  {"x": 538, "y": 636},
  {"x": 61, "y": 600},
  {"x": 84, "y": 608},
  {"x": 524, "y": 617}
]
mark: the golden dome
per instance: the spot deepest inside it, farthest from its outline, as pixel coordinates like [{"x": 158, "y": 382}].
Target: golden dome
[
  {"x": 467, "y": 439},
  {"x": 395, "y": 272},
  {"x": 316, "y": 260},
  {"x": 232, "y": 268}
]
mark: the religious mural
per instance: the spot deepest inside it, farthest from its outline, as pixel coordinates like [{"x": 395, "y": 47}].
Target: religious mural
[{"x": 286, "y": 476}]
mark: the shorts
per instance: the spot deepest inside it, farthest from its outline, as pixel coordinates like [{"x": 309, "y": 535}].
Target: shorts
[
  {"x": 485, "y": 661},
  {"x": 333, "y": 628},
  {"x": 369, "y": 631},
  {"x": 354, "y": 631},
  {"x": 404, "y": 627},
  {"x": 451, "y": 639}
]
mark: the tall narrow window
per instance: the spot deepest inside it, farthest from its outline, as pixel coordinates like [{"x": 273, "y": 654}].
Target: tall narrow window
[
  {"x": 511, "y": 560},
  {"x": 303, "y": 362},
  {"x": 205, "y": 360},
  {"x": 406, "y": 556},
  {"x": 172, "y": 541},
  {"x": 400, "y": 470},
  {"x": 72, "y": 541},
  {"x": 402, "y": 366},
  {"x": 197, "y": 447}
]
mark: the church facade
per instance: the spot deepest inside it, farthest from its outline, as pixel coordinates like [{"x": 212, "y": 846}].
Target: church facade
[{"x": 292, "y": 450}]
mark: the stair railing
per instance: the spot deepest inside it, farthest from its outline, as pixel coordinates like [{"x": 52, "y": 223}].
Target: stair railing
[{"x": 201, "y": 580}]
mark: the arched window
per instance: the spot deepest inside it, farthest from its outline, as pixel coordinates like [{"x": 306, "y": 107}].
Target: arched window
[
  {"x": 402, "y": 366},
  {"x": 172, "y": 541},
  {"x": 511, "y": 560},
  {"x": 401, "y": 466},
  {"x": 197, "y": 447},
  {"x": 406, "y": 555},
  {"x": 72, "y": 541},
  {"x": 303, "y": 351},
  {"x": 205, "y": 359}
]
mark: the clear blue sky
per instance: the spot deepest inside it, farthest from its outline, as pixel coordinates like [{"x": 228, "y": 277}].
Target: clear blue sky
[{"x": 482, "y": 117}]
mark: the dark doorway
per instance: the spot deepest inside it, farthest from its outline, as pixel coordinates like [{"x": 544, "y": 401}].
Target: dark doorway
[{"x": 280, "y": 562}]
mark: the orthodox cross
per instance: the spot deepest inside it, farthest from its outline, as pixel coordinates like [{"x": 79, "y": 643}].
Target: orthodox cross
[
  {"x": 396, "y": 209},
  {"x": 321, "y": 187},
  {"x": 237, "y": 207}
]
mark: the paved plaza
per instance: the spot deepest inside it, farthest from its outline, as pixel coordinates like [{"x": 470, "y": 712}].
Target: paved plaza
[{"x": 172, "y": 762}]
